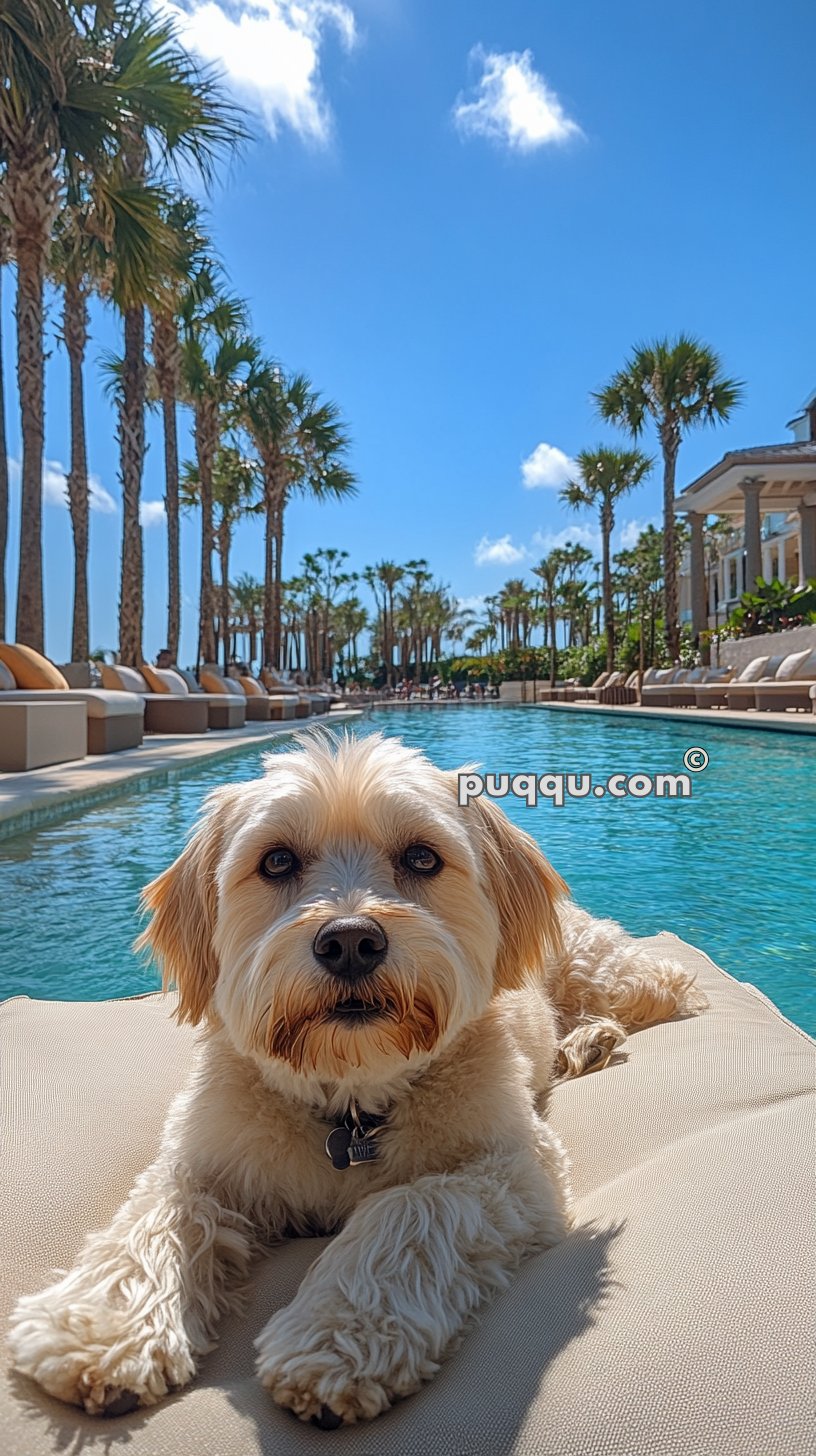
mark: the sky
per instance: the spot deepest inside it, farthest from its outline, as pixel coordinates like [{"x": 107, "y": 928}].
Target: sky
[{"x": 458, "y": 219}]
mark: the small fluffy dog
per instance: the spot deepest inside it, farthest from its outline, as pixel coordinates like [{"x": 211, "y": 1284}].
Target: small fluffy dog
[{"x": 387, "y": 984}]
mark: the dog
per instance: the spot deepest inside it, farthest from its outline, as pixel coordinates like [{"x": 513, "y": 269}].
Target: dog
[{"x": 388, "y": 984}]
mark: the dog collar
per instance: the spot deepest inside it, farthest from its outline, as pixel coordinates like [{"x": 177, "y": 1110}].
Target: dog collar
[{"x": 352, "y": 1141}]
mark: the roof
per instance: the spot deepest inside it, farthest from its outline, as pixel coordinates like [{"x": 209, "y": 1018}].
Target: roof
[{"x": 789, "y": 466}]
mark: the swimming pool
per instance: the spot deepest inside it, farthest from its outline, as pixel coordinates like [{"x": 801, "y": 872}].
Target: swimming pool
[{"x": 731, "y": 869}]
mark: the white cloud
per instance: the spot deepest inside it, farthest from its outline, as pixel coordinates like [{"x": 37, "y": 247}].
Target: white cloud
[
  {"x": 568, "y": 536},
  {"x": 151, "y": 513},
  {"x": 270, "y": 52},
  {"x": 55, "y": 488},
  {"x": 499, "y": 552},
  {"x": 474, "y": 603},
  {"x": 513, "y": 104},
  {"x": 630, "y": 531},
  {"x": 547, "y": 466}
]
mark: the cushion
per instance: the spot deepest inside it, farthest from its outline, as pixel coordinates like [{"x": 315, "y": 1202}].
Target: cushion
[
  {"x": 29, "y": 668},
  {"x": 793, "y": 666},
  {"x": 251, "y": 687},
  {"x": 676, "y": 1316},
  {"x": 193, "y": 686},
  {"x": 753, "y": 670},
  {"x": 8, "y": 682},
  {"x": 212, "y": 681},
  {"x": 164, "y": 680},
  {"x": 124, "y": 679},
  {"x": 664, "y": 675}
]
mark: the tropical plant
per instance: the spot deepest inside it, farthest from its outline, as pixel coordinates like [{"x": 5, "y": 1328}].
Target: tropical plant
[
  {"x": 604, "y": 477},
  {"x": 550, "y": 571},
  {"x": 301, "y": 444},
  {"x": 679, "y": 385},
  {"x": 235, "y": 488}
]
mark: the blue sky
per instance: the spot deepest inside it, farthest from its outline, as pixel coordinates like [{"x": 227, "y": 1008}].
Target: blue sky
[{"x": 457, "y": 218}]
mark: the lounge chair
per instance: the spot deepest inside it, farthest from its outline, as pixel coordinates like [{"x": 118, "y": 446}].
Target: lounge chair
[
  {"x": 741, "y": 697},
  {"x": 674, "y": 1317},
  {"x": 113, "y": 720},
  {"x": 714, "y": 693},
  {"x": 165, "y": 711},
  {"x": 682, "y": 692},
  {"x": 790, "y": 688},
  {"x": 260, "y": 706},
  {"x": 275, "y": 685},
  {"x": 618, "y": 690}
]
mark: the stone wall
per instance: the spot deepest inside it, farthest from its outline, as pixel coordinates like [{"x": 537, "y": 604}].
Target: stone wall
[{"x": 738, "y": 652}]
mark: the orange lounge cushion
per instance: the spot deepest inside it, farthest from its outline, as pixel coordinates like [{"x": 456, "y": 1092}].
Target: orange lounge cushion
[
  {"x": 252, "y": 688},
  {"x": 164, "y": 680},
  {"x": 7, "y": 681},
  {"x": 123, "y": 679},
  {"x": 212, "y": 682},
  {"x": 29, "y": 668}
]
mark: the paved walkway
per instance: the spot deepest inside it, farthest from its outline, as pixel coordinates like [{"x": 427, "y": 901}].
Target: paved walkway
[
  {"x": 44, "y": 794},
  {"x": 701, "y": 717}
]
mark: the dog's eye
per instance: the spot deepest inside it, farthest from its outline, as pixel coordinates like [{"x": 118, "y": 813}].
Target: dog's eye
[
  {"x": 279, "y": 864},
  {"x": 421, "y": 860}
]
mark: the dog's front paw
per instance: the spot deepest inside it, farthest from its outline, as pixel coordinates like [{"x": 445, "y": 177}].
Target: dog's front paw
[
  {"x": 332, "y": 1374},
  {"x": 105, "y": 1358}
]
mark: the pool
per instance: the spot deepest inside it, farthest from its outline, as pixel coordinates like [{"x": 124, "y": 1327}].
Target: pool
[{"x": 731, "y": 869}]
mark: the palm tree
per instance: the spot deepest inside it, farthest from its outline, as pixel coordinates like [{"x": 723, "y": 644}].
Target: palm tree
[
  {"x": 678, "y": 384},
  {"x": 550, "y": 571},
  {"x": 189, "y": 265},
  {"x": 301, "y": 444},
  {"x": 4, "y": 480},
  {"x": 247, "y": 595},
  {"x": 218, "y": 357},
  {"x": 235, "y": 490},
  {"x": 604, "y": 476}
]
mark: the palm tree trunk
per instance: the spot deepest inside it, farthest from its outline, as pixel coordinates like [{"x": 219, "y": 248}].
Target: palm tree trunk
[
  {"x": 277, "y": 582},
  {"x": 223, "y": 557},
  {"x": 4, "y": 484},
  {"x": 29, "y": 252},
  {"x": 606, "y": 577},
  {"x": 171, "y": 508},
  {"x": 672, "y": 626},
  {"x": 75, "y": 333},
  {"x": 132, "y": 448},
  {"x": 206, "y": 439}
]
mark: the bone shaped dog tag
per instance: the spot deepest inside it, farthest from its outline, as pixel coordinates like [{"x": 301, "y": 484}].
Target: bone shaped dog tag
[{"x": 337, "y": 1147}]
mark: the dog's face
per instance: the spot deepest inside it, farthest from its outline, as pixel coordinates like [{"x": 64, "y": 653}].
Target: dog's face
[{"x": 344, "y": 915}]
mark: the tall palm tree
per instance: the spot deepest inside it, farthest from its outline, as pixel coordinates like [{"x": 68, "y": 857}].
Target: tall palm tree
[
  {"x": 679, "y": 385},
  {"x": 247, "y": 595},
  {"x": 550, "y": 572},
  {"x": 71, "y": 265},
  {"x": 235, "y": 490},
  {"x": 301, "y": 443},
  {"x": 218, "y": 358},
  {"x": 4, "y": 480},
  {"x": 189, "y": 264},
  {"x": 604, "y": 477}
]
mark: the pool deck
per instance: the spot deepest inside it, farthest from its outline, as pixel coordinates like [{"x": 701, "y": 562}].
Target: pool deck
[
  {"x": 698, "y": 717},
  {"x": 28, "y": 800}
]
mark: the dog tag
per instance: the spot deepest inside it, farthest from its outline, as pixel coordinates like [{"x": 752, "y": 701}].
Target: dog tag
[
  {"x": 337, "y": 1147},
  {"x": 362, "y": 1150}
]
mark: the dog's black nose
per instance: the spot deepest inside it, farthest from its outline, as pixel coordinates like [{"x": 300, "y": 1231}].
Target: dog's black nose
[{"x": 350, "y": 946}]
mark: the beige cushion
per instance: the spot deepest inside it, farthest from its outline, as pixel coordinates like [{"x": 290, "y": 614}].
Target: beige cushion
[
  {"x": 8, "y": 682},
  {"x": 664, "y": 675},
  {"x": 29, "y": 668},
  {"x": 676, "y": 1317},
  {"x": 753, "y": 670},
  {"x": 164, "y": 680},
  {"x": 251, "y": 687},
  {"x": 123, "y": 679},
  {"x": 795, "y": 666}
]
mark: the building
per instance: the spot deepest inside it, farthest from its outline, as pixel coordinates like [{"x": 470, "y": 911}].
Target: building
[{"x": 769, "y": 493}]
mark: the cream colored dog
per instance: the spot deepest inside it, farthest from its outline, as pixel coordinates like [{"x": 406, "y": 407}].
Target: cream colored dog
[{"x": 386, "y": 982}]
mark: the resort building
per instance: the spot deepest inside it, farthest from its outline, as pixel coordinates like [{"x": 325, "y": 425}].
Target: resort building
[{"x": 768, "y": 492}]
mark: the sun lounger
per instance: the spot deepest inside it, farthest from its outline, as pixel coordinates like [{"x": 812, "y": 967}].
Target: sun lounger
[
  {"x": 113, "y": 720},
  {"x": 682, "y": 691},
  {"x": 789, "y": 689},
  {"x": 741, "y": 696},
  {"x": 281, "y": 707},
  {"x": 675, "y": 1317},
  {"x": 713, "y": 693},
  {"x": 275, "y": 685},
  {"x": 165, "y": 712}
]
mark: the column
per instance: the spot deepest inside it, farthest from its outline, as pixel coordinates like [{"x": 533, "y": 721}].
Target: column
[
  {"x": 751, "y": 490},
  {"x": 699, "y": 615},
  {"x": 807, "y": 542}
]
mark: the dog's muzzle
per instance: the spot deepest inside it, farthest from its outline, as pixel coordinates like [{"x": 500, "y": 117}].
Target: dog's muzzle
[{"x": 350, "y": 946}]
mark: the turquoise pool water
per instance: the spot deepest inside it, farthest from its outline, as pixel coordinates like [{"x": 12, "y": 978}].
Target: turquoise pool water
[{"x": 732, "y": 869}]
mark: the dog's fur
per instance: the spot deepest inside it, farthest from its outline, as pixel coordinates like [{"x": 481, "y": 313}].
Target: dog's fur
[{"x": 493, "y": 982}]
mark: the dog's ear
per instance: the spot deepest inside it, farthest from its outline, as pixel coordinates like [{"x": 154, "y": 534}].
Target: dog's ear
[
  {"x": 183, "y": 905},
  {"x": 524, "y": 888}
]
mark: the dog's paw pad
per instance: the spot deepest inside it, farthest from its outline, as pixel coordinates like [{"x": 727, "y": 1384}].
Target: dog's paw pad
[
  {"x": 121, "y": 1404},
  {"x": 327, "y": 1419}
]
